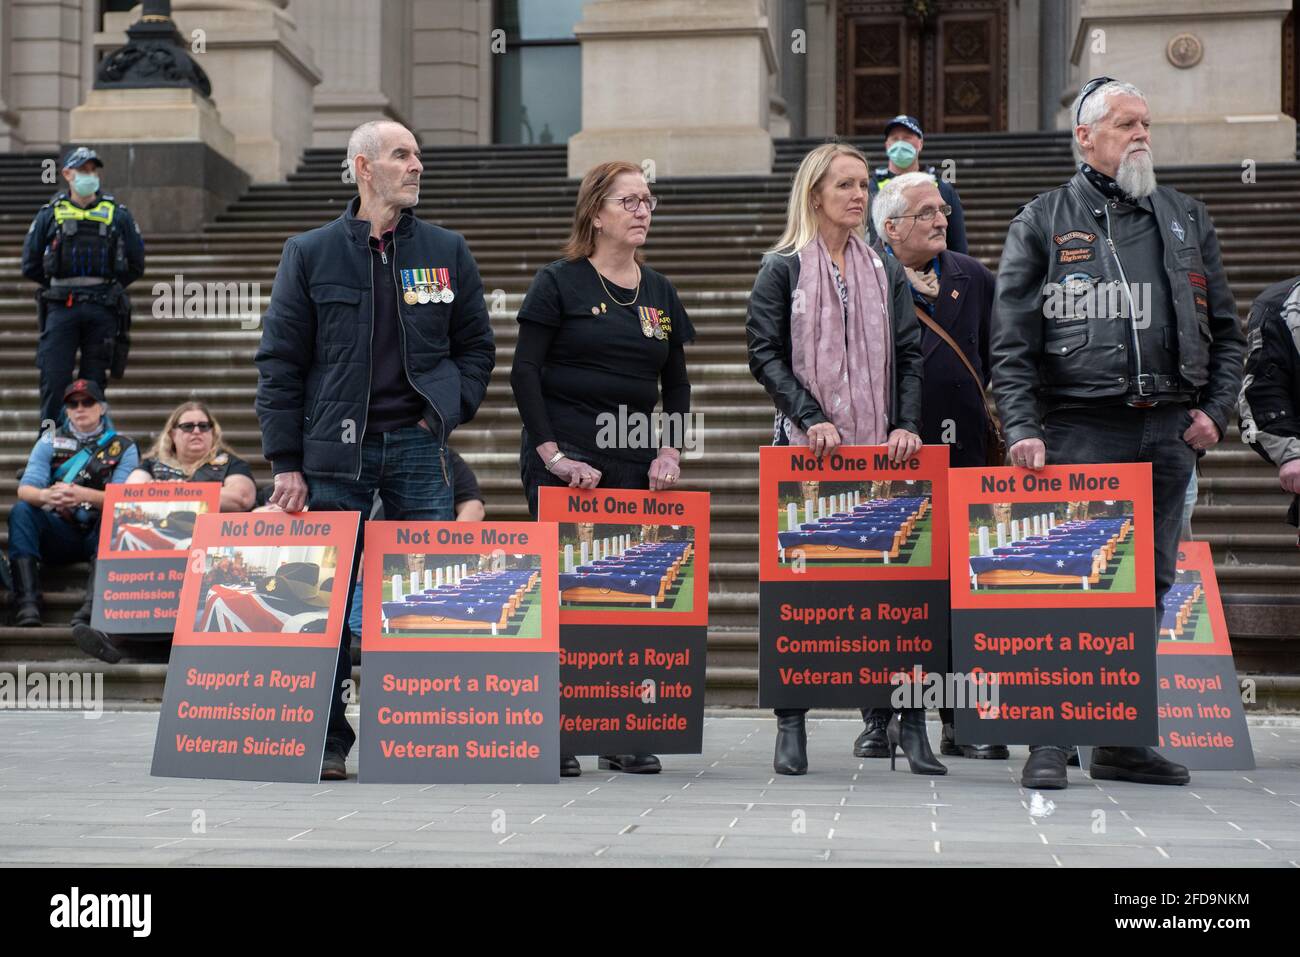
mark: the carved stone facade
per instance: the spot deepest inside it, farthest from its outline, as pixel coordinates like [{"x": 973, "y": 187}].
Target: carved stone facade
[{"x": 290, "y": 74}]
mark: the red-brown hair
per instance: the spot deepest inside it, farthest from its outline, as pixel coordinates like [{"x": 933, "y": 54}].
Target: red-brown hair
[{"x": 596, "y": 187}]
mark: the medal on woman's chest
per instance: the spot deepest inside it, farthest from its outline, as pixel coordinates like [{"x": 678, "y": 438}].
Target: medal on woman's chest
[{"x": 653, "y": 322}]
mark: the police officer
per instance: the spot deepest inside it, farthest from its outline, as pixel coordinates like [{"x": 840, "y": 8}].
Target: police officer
[
  {"x": 82, "y": 249},
  {"x": 1152, "y": 378},
  {"x": 1270, "y": 393},
  {"x": 61, "y": 495},
  {"x": 903, "y": 143}
]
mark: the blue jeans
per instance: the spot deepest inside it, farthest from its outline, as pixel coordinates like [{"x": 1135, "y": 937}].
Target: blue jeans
[
  {"x": 36, "y": 533},
  {"x": 409, "y": 469}
]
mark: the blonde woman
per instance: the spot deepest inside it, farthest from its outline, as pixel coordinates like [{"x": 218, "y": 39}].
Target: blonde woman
[
  {"x": 189, "y": 449},
  {"x": 844, "y": 367}
]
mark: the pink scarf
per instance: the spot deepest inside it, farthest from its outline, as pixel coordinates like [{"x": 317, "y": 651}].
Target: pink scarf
[{"x": 846, "y": 370}]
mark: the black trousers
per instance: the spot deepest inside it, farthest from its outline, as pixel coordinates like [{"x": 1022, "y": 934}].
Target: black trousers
[{"x": 85, "y": 326}]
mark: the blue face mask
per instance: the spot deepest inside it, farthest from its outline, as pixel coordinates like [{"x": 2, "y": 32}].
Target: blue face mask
[
  {"x": 901, "y": 153},
  {"x": 85, "y": 184}
]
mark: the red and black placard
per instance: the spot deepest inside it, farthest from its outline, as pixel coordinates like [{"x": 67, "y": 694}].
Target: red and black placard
[
  {"x": 634, "y": 615},
  {"x": 251, "y": 674},
  {"x": 144, "y": 540},
  {"x": 1053, "y": 598},
  {"x": 853, "y": 561},
  {"x": 459, "y": 654},
  {"x": 1202, "y": 718}
]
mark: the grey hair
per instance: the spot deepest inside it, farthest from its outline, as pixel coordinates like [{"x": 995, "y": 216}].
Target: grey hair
[
  {"x": 890, "y": 203},
  {"x": 1096, "y": 106},
  {"x": 365, "y": 141}
]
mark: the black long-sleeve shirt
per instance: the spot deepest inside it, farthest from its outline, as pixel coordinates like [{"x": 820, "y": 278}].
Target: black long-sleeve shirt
[{"x": 588, "y": 369}]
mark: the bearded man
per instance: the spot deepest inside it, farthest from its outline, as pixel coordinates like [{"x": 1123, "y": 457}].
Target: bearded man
[{"x": 1115, "y": 339}]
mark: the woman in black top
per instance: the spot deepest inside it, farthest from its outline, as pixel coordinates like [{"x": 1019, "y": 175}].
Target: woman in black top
[
  {"x": 188, "y": 449},
  {"x": 600, "y": 336}
]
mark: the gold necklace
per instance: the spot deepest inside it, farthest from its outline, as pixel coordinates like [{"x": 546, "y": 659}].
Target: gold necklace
[{"x": 611, "y": 295}]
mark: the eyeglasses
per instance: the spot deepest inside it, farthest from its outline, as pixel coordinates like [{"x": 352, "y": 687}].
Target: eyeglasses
[
  {"x": 188, "y": 427},
  {"x": 633, "y": 203},
  {"x": 927, "y": 215},
  {"x": 81, "y": 403},
  {"x": 1088, "y": 90}
]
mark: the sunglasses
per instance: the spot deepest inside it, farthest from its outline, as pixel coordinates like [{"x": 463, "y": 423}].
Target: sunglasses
[
  {"x": 81, "y": 403},
  {"x": 191, "y": 426},
  {"x": 1088, "y": 90}
]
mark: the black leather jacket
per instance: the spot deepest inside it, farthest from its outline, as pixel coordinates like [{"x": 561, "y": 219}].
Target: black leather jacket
[
  {"x": 1042, "y": 358},
  {"x": 767, "y": 329}
]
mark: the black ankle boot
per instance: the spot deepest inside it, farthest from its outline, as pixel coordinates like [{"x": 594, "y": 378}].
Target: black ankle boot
[
  {"x": 1045, "y": 770},
  {"x": 1139, "y": 765},
  {"x": 629, "y": 763},
  {"x": 791, "y": 745},
  {"x": 873, "y": 742},
  {"x": 96, "y": 643},
  {"x": 569, "y": 766},
  {"x": 27, "y": 591},
  {"x": 83, "y": 614},
  {"x": 907, "y": 732}
]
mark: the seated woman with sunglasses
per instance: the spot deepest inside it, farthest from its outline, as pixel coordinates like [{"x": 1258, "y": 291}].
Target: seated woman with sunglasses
[{"x": 189, "y": 449}]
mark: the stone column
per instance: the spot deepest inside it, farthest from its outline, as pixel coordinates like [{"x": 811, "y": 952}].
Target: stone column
[
  {"x": 1208, "y": 68},
  {"x": 364, "y": 57},
  {"x": 262, "y": 73},
  {"x": 10, "y": 135},
  {"x": 682, "y": 83}
]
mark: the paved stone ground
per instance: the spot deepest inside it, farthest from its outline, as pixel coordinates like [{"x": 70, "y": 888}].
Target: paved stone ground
[{"x": 74, "y": 791}]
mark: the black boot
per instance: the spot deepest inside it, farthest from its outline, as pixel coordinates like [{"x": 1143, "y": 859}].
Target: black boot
[
  {"x": 1045, "y": 770},
  {"x": 873, "y": 742},
  {"x": 791, "y": 745},
  {"x": 569, "y": 766},
  {"x": 990, "y": 752},
  {"x": 907, "y": 732},
  {"x": 83, "y": 614},
  {"x": 630, "y": 763},
  {"x": 96, "y": 643},
  {"x": 27, "y": 591},
  {"x": 1139, "y": 765}
]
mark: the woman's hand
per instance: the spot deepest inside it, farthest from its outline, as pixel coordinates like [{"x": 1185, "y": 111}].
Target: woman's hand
[
  {"x": 823, "y": 438},
  {"x": 903, "y": 445},
  {"x": 577, "y": 474},
  {"x": 665, "y": 470}
]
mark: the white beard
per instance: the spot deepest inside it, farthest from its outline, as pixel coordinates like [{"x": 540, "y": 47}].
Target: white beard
[{"x": 1136, "y": 175}]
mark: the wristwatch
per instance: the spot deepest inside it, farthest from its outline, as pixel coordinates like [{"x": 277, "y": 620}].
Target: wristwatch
[{"x": 553, "y": 459}]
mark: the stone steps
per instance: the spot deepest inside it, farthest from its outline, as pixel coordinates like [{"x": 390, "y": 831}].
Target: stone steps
[{"x": 514, "y": 204}]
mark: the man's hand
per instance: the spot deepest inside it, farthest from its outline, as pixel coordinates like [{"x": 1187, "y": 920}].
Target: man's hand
[
  {"x": 290, "y": 492},
  {"x": 903, "y": 445},
  {"x": 1202, "y": 433},
  {"x": 823, "y": 438},
  {"x": 1289, "y": 476},
  {"x": 1029, "y": 454}
]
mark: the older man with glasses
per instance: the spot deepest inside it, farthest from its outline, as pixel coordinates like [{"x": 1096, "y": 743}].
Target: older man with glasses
[
  {"x": 61, "y": 495},
  {"x": 952, "y": 296},
  {"x": 1152, "y": 380}
]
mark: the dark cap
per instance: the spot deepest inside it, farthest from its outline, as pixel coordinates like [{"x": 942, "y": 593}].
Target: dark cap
[
  {"x": 80, "y": 156},
  {"x": 907, "y": 122},
  {"x": 85, "y": 387}
]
